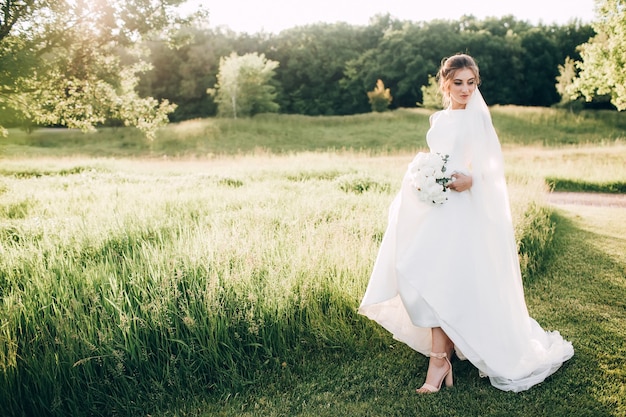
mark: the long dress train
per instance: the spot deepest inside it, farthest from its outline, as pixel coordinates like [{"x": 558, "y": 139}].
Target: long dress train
[{"x": 455, "y": 265}]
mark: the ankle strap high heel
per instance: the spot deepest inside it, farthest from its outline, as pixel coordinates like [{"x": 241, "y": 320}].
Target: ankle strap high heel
[{"x": 447, "y": 377}]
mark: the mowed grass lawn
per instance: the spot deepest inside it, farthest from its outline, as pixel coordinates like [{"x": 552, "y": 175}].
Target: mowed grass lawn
[{"x": 187, "y": 277}]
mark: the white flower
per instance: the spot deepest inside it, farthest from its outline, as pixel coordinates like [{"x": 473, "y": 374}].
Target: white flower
[{"x": 427, "y": 177}]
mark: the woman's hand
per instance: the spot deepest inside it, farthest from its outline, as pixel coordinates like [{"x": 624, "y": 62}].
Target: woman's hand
[{"x": 461, "y": 182}]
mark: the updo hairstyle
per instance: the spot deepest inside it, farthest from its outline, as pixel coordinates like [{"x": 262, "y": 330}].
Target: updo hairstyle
[{"x": 449, "y": 67}]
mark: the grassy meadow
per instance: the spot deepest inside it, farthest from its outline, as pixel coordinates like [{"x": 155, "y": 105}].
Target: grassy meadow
[{"x": 217, "y": 270}]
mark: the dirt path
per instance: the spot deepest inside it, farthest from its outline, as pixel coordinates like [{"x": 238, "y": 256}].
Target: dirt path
[{"x": 587, "y": 199}]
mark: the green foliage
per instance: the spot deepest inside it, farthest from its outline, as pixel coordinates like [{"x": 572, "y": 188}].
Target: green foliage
[
  {"x": 84, "y": 71},
  {"x": 604, "y": 56},
  {"x": 380, "y": 97},
  {"x": 244, "y": 86},
  {"x": 85, "y": 103},
  {"x": 312, "y": 74},
  {"x": 565, "y": 81},
  {"x": 541, "y": 58},
  {"x": 535, "y": 232},
  {"x": 431, "y": 96},
  {"x": 506, "y": 50},
  {"x": 182, "y": 74},
  {"x": 403, "y": 58},
  {"x": 74, "y": 64}
]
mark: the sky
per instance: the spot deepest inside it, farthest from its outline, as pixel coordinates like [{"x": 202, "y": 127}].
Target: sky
[{"x": 273, "y": 16}]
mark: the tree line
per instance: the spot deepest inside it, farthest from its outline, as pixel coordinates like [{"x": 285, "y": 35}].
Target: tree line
[
  {"x": 83, "y": 64},
  {"x": 327, "y": 69}
]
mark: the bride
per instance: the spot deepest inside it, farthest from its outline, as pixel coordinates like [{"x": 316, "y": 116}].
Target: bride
[{"x": 447, "y": 276}]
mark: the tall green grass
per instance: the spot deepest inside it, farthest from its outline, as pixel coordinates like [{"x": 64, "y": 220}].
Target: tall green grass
[
  {"x": 582, "y": 168},
  {"x": 401, "y": 130},
  {"x": 127, "y": 284},
  {"x": 558, "y": 127},
  {"x": 580, "y": 293},
  {"x": 136, "y": 273}
]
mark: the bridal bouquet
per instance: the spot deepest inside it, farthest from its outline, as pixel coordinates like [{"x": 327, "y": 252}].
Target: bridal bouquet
[{"x": 427, "y": 176}]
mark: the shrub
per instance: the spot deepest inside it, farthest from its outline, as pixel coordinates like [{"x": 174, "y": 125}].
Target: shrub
[{"x": 380, "y": 97}]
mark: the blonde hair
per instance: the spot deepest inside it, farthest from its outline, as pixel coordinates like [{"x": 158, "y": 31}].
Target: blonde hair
[{"x": 449, "y": 67}]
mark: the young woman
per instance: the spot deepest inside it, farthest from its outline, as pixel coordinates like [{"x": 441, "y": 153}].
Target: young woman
[{"x": 447, "y": 276}]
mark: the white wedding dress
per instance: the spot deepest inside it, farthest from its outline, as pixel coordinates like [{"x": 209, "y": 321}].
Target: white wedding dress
[{"x": 455, "y": 265}]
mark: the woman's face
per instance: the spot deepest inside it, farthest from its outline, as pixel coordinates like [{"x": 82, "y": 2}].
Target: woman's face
[{"x": 461, "y": 87}]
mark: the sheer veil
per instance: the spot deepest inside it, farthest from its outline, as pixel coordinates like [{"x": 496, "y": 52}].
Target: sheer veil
[
  {"x": 536, "y": 353},
  {"x": 490, "y": 193},
  {"x": 488, "y": 168}
]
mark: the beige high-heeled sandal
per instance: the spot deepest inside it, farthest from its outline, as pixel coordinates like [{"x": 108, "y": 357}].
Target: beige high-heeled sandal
[{"x": 447, "y": 377}]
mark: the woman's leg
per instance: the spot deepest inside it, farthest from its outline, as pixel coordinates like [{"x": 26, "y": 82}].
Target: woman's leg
[
  {"x": 441, "y": 342},
  {"x": 438, "y": 367}
]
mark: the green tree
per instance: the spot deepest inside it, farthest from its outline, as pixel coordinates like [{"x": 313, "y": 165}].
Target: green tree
[
  {"x": 499, "y": 58},
  {"x": 312, "y": 66},
  {"x": 328, "y": 68},
  {"x": 565, "y": 79},
  {"x": 603, "y": 65},
  {"x": 510, "y": 54},
  {"x": 183, "y": 74},
  {"x": 404, "y": 57},
  {"x": 75, "y": 63},
  {"x": 244, "y": 85},
  {"x": 540, "y": 60},
  {"x": 431, "y": 96}
]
